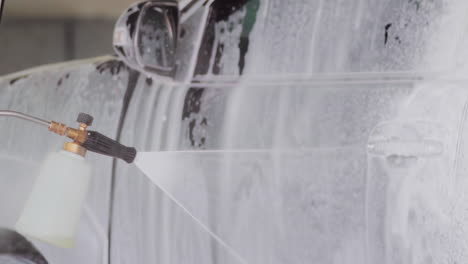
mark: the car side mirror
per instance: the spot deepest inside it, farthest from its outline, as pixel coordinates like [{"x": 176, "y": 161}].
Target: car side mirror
[
  {"x": 146, "y": 34},
  {"x": 156, "y": 37}
]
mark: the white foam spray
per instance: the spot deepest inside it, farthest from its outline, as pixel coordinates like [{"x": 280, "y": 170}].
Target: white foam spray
[{"x": 260, "y": 183}]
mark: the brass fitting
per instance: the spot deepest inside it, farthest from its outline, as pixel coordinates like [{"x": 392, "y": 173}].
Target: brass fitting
[
  {"x": 78, "y": 135},
  {"x": 83, "y": 126},
  {"x": 74, "y": 148},
  {"x": 58, "y": 128}
]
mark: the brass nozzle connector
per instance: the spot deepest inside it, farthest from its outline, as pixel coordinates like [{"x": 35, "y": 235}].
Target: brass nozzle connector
[
  {"x": 74, "y": 148},
  {"x": 58, "y": 128},
  {"x": 78, "y": 135}
]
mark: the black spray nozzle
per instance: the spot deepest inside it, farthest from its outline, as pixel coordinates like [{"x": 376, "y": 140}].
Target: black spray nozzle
[{"x": 97, "y": 142}]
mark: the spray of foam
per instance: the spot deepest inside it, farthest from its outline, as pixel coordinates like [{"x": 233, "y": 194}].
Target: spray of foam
[
  {"x": 182, "y": 176},
  {"x": 145, "y": 162}
]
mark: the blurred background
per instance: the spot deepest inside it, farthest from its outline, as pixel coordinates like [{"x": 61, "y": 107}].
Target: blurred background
[{"x": 33, "y": 33}]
